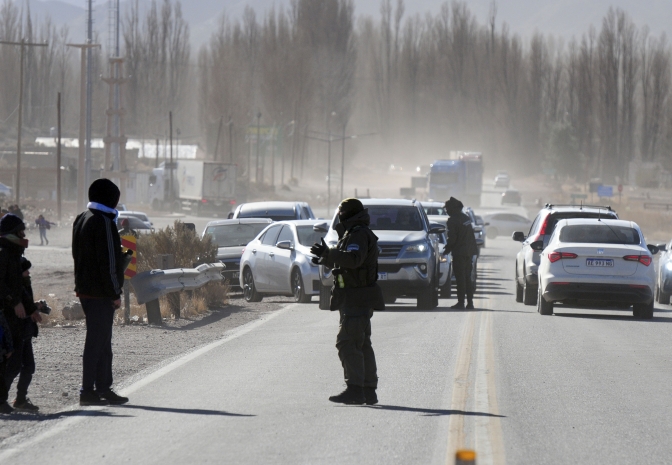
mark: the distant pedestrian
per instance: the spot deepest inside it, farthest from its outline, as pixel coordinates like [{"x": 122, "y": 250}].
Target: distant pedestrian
[
  {"x": 22, "y": 363},
  {"x": 42, "y": 226},
  {"x": 99, "y": 276}
]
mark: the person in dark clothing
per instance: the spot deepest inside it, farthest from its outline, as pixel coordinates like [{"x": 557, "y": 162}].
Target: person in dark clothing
[
  {"x": 99, "y": 276},
  {"x": 13, "y": 242},
  {"x": 42, "y": 226},
  {"x": 462, "y": 244},
  {"x": 22, "y": 363},
  {"x": 6, "y": 351},
  {"x": 355, "y": 294}
]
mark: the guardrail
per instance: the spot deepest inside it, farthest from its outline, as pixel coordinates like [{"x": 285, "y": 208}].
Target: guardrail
[
  {"x": 657, "y": 206},
  {"x": 150, "y": 285}
]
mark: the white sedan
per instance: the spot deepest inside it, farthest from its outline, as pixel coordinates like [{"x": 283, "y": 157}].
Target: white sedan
[
  {"x": 603, "y": 262},
  {"x": 278, "y": 262},
  {"x": 505, "y": 224}
]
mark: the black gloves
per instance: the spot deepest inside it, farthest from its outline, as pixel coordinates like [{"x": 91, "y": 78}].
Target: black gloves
[{"x": 319, "y": 250}]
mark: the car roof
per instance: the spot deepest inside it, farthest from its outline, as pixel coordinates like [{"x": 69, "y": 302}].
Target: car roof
[
  {"x": 391, "y": 202},
  {"x": 268, "y": 207},
  {"x": 300, "y": 222},
  {"x": 606, "y": 221},
  {"x": 571, "y": 208},
  {"x": 131, "y": 212},
  {"x": 239, "y": 221}
]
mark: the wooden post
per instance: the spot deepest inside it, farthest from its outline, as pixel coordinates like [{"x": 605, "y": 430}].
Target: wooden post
[
  {"x": 59, "y": 198},
  {"x": 153, "y": 312}
]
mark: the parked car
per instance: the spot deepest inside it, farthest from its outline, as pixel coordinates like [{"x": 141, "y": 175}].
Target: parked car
[
  {"x": 140, "y": 215},
  {"x": 504, "y": 224},
  {"x": 5, "y": 191},
  {"x": 409, "y": 257},
  {"x": 277, "y": 211},
  {"x": 481, "y": 222},
  {"x": 511, "y": 196},
  {"x": 502, "y": 179},
  {"x": 231, "y": 237},
  {"x": 136, "y": 224},
  {"x": 527, "y": 259},
  {"x": 603, "y": 262},
  {"x": 664, "y": 274},
  {"x": 278, "y": 262}
]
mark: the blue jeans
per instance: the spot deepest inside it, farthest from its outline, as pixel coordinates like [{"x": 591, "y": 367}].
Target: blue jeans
[
  {"x": 43, "y": 236},
  {"x": 97, "y": 357}
]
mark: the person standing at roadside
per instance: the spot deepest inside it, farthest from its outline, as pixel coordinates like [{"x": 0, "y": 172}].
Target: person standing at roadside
[
  {"x": 6, "y": 349},
  {"x": 42, "y": 226},
  {"x": 13, "y": 243},
  {"x": 355, "y": 294},
  {"x": 462, "y": 244},
  {"x": 99, "y": 276}
]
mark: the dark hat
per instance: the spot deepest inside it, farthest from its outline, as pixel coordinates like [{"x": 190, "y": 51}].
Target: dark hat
[
  {"x": 105, "y": 192},
  {"x": 453, "y": 206},
  {"x": 349, "y": 208},
  {"x": 25, "y": 264},
  {"x": 10, "y": 224}
]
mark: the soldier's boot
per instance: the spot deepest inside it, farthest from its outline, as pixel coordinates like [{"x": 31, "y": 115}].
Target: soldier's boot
[
  {"x": 353, "y": 395},
  {"x": 458, "y": 305},
  {"x": 470, "y": 305},
  {"x": 370, "y": 396}
]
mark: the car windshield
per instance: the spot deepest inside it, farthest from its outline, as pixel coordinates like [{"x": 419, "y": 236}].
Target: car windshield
[
  {"x": 307, "y": 236},
  {"x": 436, "y": 211},
  {"x": 599, "y": 234},
  {"x": 280, "y": 216},
  {"x": 234, "y": 235},
  {"x": 140, "y": 216},
  {"x": 394, "y": 218}
]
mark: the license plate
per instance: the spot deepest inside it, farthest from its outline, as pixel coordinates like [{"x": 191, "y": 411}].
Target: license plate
[
  {"x": 599, "y": 262},
  {"x": 235, "y": 275},
  {"x": 382, "y": 276}
]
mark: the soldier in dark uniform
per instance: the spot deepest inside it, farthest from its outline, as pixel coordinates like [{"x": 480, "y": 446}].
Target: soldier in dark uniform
[
  {"x": 355, "y": 294},
  {"x": 462, "y": 244}
]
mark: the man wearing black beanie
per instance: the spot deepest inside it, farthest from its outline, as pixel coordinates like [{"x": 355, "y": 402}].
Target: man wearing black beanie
[{"x": 99, "y": 276}]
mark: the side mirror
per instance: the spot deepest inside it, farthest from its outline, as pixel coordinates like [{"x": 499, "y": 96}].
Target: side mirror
[
  {"x": 321, "y": 227},
  {"x": 537, "y": 246},
  {"x": 518, "y": 236},
  {"x": 436, "y": 228},
  {"x": 286, "y": 245},
  {"x": 662, "y": 247},
  {"x": 652, "y": 248}
]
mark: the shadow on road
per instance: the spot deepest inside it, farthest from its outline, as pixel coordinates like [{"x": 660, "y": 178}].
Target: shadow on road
[
  {"x": 433, "y": 412},
  {"x": 625, "y": 317},
  {"x": 190, "y": 411},
  {"x": 214, "y": 316}
]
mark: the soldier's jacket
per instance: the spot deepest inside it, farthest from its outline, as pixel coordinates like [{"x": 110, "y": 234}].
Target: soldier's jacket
[
  {"x": 461, "y": 241},
  {"x": 355, "y": 268}
]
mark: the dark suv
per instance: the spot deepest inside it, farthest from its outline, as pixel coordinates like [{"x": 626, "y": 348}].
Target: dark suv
[{"x": 527, "y": 260}]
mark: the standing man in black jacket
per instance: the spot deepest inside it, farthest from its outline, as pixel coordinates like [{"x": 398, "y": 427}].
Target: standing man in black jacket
[
  {"x": 99, "y": 276},
  {"x": 462, "y": 244},
  {"x": 355, "y": 294}
]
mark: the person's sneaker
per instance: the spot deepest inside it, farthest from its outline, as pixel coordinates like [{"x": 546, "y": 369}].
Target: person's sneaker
[
  {"x": 25, "y": 405},
  {"x": 458, "y": 305},
  {"x": 370, "y": 397},
  {"x": 470, "y": 305},
  {"x": 6, "y": 408},
  {"x": 90, "y": 398},
  {"x": 112, "y": 397},
  {"x": 353, "y": 395}
]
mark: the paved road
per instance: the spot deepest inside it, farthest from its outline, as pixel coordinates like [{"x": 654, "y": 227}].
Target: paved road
[{"x": 579, "y": 387}]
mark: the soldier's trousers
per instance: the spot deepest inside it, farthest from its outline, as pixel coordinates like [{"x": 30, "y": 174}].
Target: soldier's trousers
[
  {"x": 355, "y": 351},
  {"x": 462, "y": 268}
]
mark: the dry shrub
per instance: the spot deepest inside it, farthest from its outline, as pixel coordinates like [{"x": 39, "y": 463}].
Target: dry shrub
[
  {"x": 654, "y": 224},
  {"x": 215, "y": 294},
  {"x": 183, "y": 244}
]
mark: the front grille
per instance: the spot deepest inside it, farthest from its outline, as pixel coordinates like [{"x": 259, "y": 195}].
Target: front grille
[
  {"x": 391, "y": 268},
  {"x": 389, "y": 251}
]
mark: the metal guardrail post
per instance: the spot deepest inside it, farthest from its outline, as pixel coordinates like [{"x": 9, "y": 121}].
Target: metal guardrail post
[
  {"x": 153, "y": 312},
  {"x": 174, "y": 304}
]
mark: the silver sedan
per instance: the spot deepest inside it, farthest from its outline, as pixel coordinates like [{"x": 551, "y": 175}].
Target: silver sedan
[{"x": 278, "y": 262}]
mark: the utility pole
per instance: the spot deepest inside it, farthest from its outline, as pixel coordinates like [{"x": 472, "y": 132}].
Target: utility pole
[
  {"x": 170, "y": 130},
  {"x": 343, "y": 157},
  {"x": 81, "y": 167},
  {"x": 256, "y": 175},
  {"x": 58, "y": 157},
  {"x": 23, "y": 44},
  {"x": 219, "y": 133},
  {"x": 230, "y": 139}
]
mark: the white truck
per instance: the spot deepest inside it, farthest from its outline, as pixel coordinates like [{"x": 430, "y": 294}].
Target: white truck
[{"x": 198, "y": 186}]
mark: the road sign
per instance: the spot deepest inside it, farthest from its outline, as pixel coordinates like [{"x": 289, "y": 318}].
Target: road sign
[
  {"x": 579, "y": 196},
  {"x": 605, "y": 191}
]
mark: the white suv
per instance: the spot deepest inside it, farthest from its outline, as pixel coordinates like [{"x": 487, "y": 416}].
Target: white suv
[{"x": 599, "y": 262}]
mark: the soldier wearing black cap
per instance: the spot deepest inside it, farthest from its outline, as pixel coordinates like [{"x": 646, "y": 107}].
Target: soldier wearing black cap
[
  {"x": 462, "y": 244},
  {"x": 355, "y": 294},
  {"x": 99, "y": 276}
]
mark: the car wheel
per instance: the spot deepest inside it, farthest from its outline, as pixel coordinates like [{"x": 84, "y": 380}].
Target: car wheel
[
  {"x": 298, "y": 290},
  {"x": 429, "y": 299},
  {"x": 529, "y": 293},
  {"x": 491, "y": 233},
  {"x": 662, "y": 297},
  {"x": 643, "y": 311},
  {"x": 249, "y": 289},
  {"x": 325, "y": 297},
  {"x": 519, "y": 289},
  {"x": 543, "y": 307}
]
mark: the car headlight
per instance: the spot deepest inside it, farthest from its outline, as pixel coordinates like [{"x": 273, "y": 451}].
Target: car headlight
[
  {"x": 668, "y": 266},
  {"x": 420, "y": 247},
  {"x": 443, "y": 258}
]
